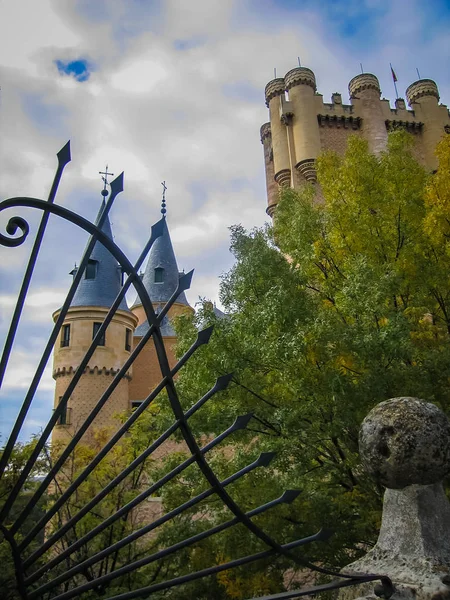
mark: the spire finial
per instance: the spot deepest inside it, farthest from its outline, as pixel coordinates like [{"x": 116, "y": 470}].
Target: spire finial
[
  {"x": 163, "y": 202},
  {"x": 104, "y": 175}
]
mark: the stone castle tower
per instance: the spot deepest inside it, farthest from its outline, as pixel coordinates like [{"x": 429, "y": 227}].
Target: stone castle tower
[
  {"x": 96, "y": 293},
  {"x": 302, "y": 126}
]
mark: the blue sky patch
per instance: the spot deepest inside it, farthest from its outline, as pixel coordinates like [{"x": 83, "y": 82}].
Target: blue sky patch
[{"x": 78, "y": 69}]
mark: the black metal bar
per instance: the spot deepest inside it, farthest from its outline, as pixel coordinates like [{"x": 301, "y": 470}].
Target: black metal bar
[
  {"x": 240, "y": 423},
  {"x": 287, "y": 497},
  {"x": 18, "y": 567},
  {"x": 183, "y": 284},
  {"x": 263, "y": 460},
  {"x": 326, "y": 587},
  {"x": 156, "y": 232},
  {"x": 221, "y": 383},
  {"x": 116, "y": 188},
  {"x": 198, "y": 574},
  {"x": 202, "y": 338},
  {"x": 63, "y": 159}
]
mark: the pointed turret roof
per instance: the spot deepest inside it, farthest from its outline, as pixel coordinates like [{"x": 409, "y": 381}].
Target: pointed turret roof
[
  {"x": 161, "y": 274},
  {"x": 102, "y": 289}
]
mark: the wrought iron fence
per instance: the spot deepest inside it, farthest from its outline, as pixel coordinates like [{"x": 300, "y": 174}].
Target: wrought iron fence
[{"x": 50, "y": 565}]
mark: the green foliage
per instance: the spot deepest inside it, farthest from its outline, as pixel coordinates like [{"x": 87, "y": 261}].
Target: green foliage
[
  {"x": 19, "y": 457},
  {"x": 343, "y": 304}
]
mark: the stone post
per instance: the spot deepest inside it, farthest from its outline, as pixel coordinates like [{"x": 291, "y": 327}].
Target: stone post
[{"x": 405, "y": 446}]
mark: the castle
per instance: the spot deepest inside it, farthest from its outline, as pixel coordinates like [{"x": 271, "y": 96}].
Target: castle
[
  {"x": 302, "y": 125},
  {"x": 94, "y": 296}
]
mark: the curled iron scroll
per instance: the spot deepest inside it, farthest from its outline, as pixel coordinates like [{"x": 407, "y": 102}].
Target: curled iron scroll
[{"x": 14, "y": 224}]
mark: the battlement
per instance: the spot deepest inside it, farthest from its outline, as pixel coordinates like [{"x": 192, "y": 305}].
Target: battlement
[{"x": 302, "y": 125}]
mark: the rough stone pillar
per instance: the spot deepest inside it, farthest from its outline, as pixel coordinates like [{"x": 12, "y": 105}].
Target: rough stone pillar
[
  {"x": 365, "y": 94},
  {"x": 405, "y": 446}
]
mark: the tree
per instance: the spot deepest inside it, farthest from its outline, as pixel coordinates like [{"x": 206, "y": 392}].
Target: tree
[{"x": 343, "y": 304}]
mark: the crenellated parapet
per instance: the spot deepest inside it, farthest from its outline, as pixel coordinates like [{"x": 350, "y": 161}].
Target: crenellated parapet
[
  {"x": 420, "y": 89},
  {"x": 274, "y": 88},
  {"x": 300, "y": 76},
  {"x": 362, "y": 83},
  {"x": 302, "y": 125}
]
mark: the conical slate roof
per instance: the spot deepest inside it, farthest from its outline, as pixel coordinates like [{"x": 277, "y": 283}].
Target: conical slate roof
[
  {"x": 161, "y": 274},
  {"x": 102, "y": 289}
]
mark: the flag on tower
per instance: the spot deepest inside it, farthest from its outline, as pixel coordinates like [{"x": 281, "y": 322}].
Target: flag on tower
[
  {"x": 394, "y": 79},
  {"x": 394, "y": 76}
]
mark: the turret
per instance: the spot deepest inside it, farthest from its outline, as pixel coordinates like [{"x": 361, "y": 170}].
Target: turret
[
  {"x": 98, "y": 288},
  {"x": 271, "y": 185},
  {"x": 301, "y": 86},
  {"x": 275, "y": 97},
  {"x": 304, "y": 126},
  {"x": 423, "y": 98},
  {"x": 160, "y": 279},
  {"x": 365, "y": 95}
]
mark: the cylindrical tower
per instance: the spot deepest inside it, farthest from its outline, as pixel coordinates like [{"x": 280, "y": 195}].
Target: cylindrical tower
[
  {"x": 160, "y": 280},
  {"x": 423, "y": 98},
  {"x": 301, "y": 85},
  {"x": 365, "y": 94},
  {"x": 272, "y": 188},
  {"x": 274, "y": 93},
  {"x": 77, "y": 332},
  {"x": 97, "y": 290}
]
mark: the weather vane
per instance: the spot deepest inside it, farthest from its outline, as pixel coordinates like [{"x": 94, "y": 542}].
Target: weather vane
[
  {"x": 163, "y": 202},
  {"x": 104, "y": 175}
]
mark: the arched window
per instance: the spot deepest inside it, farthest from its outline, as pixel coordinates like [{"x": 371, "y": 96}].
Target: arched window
[
  {"x": 159, "y": 275},
  {"x": 91, "y": 269}
]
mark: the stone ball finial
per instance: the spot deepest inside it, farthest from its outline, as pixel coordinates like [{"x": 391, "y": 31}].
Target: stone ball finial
[
  {"x": 363, "y": 81},
  {"x": 405, "y": 441},
  {"x": 274, "y": 88},
  {"x": 421, "y": 88}
]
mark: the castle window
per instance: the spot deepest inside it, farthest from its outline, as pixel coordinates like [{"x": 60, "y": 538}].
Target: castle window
[
  {"x": 95, "y": 328},
  {"x": 64, "y": 417},
  {"x": 159, "y": 275},
  {"x": 65, "y": 336},
  {"x": 91, "y": 269},
  {"x": 128, "y": 340},
  {"x": 135, "y": 404}
]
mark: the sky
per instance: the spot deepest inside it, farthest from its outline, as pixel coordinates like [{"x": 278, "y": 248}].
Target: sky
[{"x": 167, "y": 90}]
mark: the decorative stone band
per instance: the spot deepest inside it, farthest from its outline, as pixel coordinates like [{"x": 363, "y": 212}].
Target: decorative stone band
[
  {"x": 300, "y": 76},
  {"x": 410, "y": 126},
  {"x": 274, "y": 88},
  {"x": 364, "y": 81},
  {"x": 307, "y": 168},
  {"x": 339, "y": 121},
  {"x": 421, "y": 88},
  {"x": 88, "y": 371},
  {"x": 270, "y": 210},
  {"x": 265, "y": 132},
  {"x": 283, "y": 177}
]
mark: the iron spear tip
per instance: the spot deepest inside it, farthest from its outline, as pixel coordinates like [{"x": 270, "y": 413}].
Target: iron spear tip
[{"x": 204, "y": 335}]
